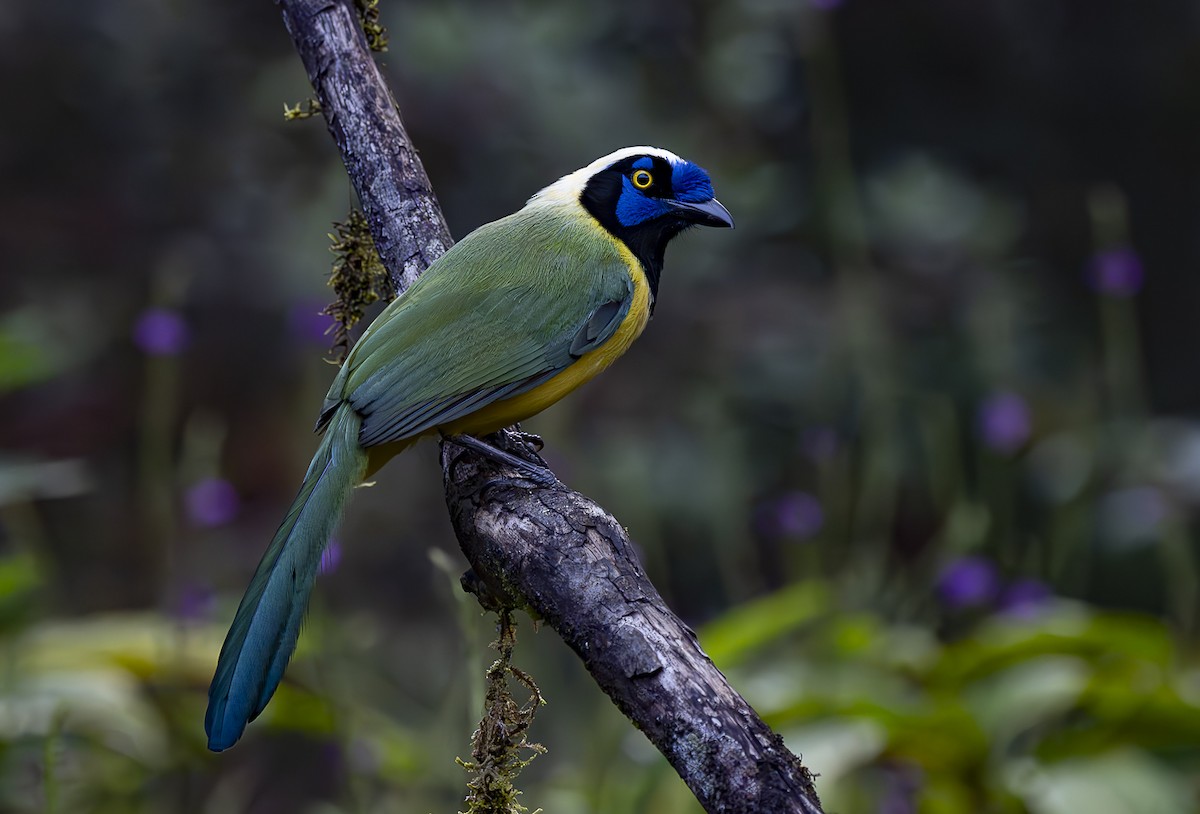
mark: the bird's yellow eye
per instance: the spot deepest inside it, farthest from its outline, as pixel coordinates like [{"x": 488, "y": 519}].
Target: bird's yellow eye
[{"x": 642, "y": 179}]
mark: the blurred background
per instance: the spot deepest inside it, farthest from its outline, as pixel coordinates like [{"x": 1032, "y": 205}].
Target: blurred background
[{"x": 914, "y": 448}]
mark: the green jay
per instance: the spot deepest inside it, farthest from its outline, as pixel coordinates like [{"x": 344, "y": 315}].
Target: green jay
[{"x": 512, "y": 318}]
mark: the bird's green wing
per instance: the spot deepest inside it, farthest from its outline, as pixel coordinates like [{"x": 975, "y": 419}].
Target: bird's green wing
[{"x": 509, "y": 307}]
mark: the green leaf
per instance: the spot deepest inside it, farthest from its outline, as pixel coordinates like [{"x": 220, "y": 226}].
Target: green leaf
[
  {"x": 1025, "y": 695},
  {"x": 1068, "y": 630},
  {"x": 1120, "y": 782},
  {"x": 749, "y": 627}
]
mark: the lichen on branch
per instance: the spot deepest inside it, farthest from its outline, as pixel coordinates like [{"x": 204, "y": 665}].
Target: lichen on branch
[
  {"x": 358, "y": 279},
  {"x": 303, "y": 110},
  {"x": 368, "y": 18},
  {"x": 502, "y": 735}
]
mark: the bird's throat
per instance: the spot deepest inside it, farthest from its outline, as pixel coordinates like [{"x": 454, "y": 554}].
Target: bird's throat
[{"x": 649, "y": 247}]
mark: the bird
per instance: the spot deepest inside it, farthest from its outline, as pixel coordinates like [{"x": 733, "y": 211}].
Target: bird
[{"x": 509, "y": 320}]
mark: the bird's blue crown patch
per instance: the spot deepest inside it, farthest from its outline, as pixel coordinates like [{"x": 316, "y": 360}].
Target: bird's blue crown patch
[{"x": 691, "y": 183}]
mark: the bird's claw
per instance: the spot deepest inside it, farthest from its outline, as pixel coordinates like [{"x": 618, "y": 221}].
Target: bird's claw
[
  {"x": 530, "y": 438},
  {"x": 540, "y": 475}
]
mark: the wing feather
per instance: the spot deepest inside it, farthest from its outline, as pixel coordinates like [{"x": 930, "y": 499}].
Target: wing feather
[{"x": 505, "y": 310}]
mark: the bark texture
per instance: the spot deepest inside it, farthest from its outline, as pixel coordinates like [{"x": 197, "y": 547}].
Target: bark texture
[
  {"x": 547, "y": 549},
  {"x": 361, "y": 114},
  {"x": 569, "y": 562}
]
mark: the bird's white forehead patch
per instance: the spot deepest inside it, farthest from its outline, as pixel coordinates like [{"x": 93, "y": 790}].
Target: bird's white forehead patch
[{"x": 568, "y": 188}]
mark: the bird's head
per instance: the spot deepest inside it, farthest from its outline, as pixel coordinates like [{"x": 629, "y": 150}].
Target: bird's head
[{"x": 644, "y": 196}]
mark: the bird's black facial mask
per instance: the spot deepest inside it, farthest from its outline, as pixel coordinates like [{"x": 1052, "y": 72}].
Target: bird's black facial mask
[{"x": 646, "y": 200}]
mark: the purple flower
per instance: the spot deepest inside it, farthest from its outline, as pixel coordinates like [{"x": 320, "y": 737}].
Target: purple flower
[
  {"x": 968, "y": 582},
  {"x": 363, "y": 756},
  {"x": 1116, "y": 272},
  {"x": 1025, "y": 598},
  {"x": 308, "y": 322},
  {"x": 1004, "y": 422},
  {"x": 901, "y": 784},
  {"x": 160, "y": 332},
  {"x": 797, "y": 515},
  {"x": 331, "y": 557},
  {"x": 211, "y": 502},
  {"x": 332, "y": 755},
  {"x": 195, "y": 601}
]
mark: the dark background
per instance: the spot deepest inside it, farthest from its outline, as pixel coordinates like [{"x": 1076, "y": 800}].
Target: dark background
[{"x": 915, "y": 441}]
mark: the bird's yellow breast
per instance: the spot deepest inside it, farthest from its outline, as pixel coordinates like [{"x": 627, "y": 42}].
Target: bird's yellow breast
[{"x": 509, "y": 411}]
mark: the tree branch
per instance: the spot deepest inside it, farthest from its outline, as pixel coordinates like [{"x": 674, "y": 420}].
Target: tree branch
[
  {"x": 550, "y": 550},
  {"x": 406, "y": 221},
  {"x": 567, "y": 560}
]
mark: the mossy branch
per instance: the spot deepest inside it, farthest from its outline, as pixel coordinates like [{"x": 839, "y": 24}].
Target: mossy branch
[
  {"x": 358, "y": 278},
  {"x": 303, "y": 110},
  {"x": 368, "y": 18},
  {"x": 497, "y": 744}
]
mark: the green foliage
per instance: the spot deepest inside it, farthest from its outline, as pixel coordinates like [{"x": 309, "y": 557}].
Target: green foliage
[
  {"x": 93, "y": 711},
  {"x": 759, "y": 623},
  {"x": 20, "y": 582},
  {"x": 1046, "y": 714},
  {"x": 33, "y": 349},
  {"x": 21, "y": 363}
]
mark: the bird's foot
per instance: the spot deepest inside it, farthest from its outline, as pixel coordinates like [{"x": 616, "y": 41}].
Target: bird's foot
[
  {"x": 538, "y": 474},
  {"x": 529, "y": 438}
]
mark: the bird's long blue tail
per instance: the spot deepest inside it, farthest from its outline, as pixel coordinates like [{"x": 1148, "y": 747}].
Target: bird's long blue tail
[{"x": 263, "y": 635}]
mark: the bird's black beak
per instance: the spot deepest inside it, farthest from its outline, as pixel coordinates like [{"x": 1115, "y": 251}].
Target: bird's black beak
[{"x": 705, "y": 213}]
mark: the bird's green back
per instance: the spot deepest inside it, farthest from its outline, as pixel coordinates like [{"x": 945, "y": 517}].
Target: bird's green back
[{"x": 510, "y": 306}]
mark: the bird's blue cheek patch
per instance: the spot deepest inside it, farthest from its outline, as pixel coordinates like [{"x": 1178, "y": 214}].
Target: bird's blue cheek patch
[
  {"x": 643, "y": 164},
  {"x": 633, "y": 207},
  {"x": 691, "y": 183}
]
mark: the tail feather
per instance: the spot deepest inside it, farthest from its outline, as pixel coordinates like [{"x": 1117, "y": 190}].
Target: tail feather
[{"x": 264, "y": 631}]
